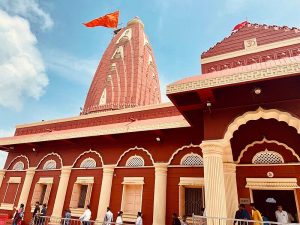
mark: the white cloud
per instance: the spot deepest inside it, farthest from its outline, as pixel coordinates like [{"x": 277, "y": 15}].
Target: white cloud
[
  {"x": 22, "y": 69},
  {"x": 71, "y": 67},
  {"x": 28, "y": 9}
]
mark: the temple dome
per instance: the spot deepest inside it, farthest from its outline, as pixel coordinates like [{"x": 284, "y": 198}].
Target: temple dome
[{"x": 127, "y": 75}]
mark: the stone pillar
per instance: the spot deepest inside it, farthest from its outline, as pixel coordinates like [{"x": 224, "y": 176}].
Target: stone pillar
[
  {"x": 215, "y": 198},
  {"x": 104, "y": 199},
  {"x": 26, "y": 186},
  {"x": 61, "y": 193},
  {"x": 2, "y": 175},
  {"x": 160, "y": 194},
  {"x": 230, "y": 189}
]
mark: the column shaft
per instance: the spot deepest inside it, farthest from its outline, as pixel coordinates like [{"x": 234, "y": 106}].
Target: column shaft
[
  {"x": 230, "y": 189},
  {"x": 215, "y": 198},
  {"x": 160, "y": 194},
  {"x": 2, "y": 175},
  {"x": 104, "y": 199},
  {"x": 26, "y": 186},
  {"x": 61, "y": 192}
]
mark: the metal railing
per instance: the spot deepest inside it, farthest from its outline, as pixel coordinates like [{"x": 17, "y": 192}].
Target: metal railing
[
  {"x": 202, "y": 220},
  {"x": 47, "y": 220}
]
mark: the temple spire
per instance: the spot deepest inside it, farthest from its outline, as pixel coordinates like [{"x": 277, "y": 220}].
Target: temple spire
[{"x": 127, "y": 74}]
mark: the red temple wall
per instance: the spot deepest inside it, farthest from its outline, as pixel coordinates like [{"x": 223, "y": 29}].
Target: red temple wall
[
  {"x": 97, "y": 174},
  {"x": 174, "y": 174},
  {"x": 148, "y": 190}
]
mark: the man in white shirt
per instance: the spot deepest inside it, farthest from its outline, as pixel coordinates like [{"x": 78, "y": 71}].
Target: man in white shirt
[
  {"x": 281, "y": 215},
  {"x": 108, "y": 216},
  {"x": 86, "y": 216}
]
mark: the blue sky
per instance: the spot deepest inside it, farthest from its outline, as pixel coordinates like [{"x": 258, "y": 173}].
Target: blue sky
[{"x": 47, "y": 57}]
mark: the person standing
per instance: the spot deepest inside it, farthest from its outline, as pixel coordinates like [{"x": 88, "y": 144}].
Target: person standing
[
  {"x": 19, "y": 214},
  {"x": 42, "y": 215},
  {"x": 35, "y": 213},
  {"x": 241, "y": 214},
  {"x": 281, "y": 215},
  {"x": 119, "y": 219},
  {"x": 139, "y": 219},
  {"x": 86, "y": 216},
  {"x": 256, "y": 215},
  {"x": 109, "y": 216},
  {"x": 175, "y": 220},
  {"x": 67, "y": 217}
]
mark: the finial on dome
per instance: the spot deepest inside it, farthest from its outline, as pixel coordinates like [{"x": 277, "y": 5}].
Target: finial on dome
[{"x": 135, "y": 20}]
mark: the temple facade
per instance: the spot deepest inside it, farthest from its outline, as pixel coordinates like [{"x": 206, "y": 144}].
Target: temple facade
[{"x": 229, "y": 135}]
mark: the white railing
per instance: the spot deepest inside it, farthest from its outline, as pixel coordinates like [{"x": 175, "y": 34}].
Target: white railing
[
  {"x": 47, "y": 220},
  {"x": 202, "y": 220}
]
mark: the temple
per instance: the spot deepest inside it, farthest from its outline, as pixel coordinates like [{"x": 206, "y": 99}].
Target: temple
[{"x": 229, "y": 135}]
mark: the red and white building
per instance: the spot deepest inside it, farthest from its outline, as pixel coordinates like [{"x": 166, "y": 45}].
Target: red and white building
[{"x": 230, "y": 135}]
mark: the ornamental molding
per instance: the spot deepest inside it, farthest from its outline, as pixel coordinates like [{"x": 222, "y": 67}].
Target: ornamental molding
[
  {"x": 51, "y": 154},
  {"x": 177, "y": 122},
  {"x": 135, "y": 148},
  {"x": 86, "y": 152},
  {"x": 272, "y": 183},
  {"x": 235, "y": 78},
  {"x": 261, "y": 113},
  {"x": 264, "y": 140},
  {"x": 180, "y": 149},
  {"x": 19, "y": 156},
  {"x": 247, "y": 51}
]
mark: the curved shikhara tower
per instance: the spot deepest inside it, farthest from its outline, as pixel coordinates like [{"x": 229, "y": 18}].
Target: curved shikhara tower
[{"x": 127, "y": 75}]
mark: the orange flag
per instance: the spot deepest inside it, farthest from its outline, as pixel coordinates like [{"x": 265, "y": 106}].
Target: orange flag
[{"x": 109, "y": 20}]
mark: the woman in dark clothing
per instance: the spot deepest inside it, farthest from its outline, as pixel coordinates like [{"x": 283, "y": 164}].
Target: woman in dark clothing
[
  {"x": 19, "y": 214},
  {"x": 175, "y": 220}
]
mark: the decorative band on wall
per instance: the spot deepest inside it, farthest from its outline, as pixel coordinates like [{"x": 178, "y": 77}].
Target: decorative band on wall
[{"x": 272, "y": 183}]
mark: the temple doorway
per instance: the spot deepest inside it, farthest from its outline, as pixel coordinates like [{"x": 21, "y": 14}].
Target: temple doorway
[{"x": 266, "y": 201}]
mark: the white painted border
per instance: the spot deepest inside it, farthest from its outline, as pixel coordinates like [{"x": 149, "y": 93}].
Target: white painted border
[
  {"x": 264, "y": 140},
  {"x": 135, "y": 148},
  {"x": 86, "y": 152},
  {"x": 180, "y": 149},
  {"x": 19, "y": 156},
  {"x": 50, "y": 154}
]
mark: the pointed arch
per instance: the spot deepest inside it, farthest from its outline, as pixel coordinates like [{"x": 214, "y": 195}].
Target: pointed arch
[
  {"x": 264, "y": 140},
  {"x": 261, "y": 113},
  {"x": 50, "y": 154},
  {"x": 19, "y": 156},
  {"x": 180, "y": 149},
  {"x": 86, "y": 152},
  {"x": 135, "y": 148}
]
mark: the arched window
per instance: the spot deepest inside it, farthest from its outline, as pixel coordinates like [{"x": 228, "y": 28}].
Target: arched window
[
  {"x": 135, "y": 161},
  {"x": 267, "y": 157},
  {"x": 19, "y": 166},
  {"x": 192, "y": 159},
  {"x": 49, "y": 165},
  {"x": 88, "y": 163}
]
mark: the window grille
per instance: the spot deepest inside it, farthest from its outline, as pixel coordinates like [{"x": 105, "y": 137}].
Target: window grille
[
  {"x": 135, "y": 161},
  {"x": 192, "y": 159},
  {"x": 50, "y": 165},
  {"x": 19, "y": 166},
  {"x": 267, "y": 157},
  {"x": 88, "y": 163}
]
